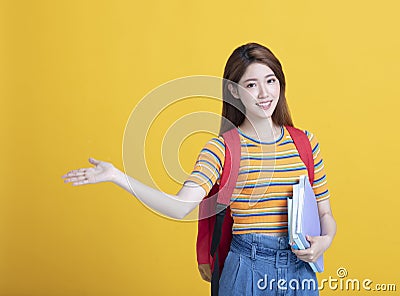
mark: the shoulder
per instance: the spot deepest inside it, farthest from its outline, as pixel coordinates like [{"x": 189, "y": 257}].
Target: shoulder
[
  {"x": 297, "y": 129},
  {"x": 216, "y": 143},
  {"x": 214, "y": 150},
  {"x": 310, "y": 135},
  {"x": 312, "y": 138}
]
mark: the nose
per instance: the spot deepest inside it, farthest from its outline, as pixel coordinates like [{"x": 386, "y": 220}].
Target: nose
[{"x": 263, "y": 92}]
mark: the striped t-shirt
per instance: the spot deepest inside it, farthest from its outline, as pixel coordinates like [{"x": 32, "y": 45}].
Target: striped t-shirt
[{"x": 267, "y": 173}]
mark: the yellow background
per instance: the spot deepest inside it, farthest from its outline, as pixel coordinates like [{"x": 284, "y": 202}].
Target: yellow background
[{"x": 72, "y": 72}]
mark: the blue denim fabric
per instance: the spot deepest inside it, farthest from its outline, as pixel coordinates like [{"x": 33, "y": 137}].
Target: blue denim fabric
[{"x": 260, "y": 264}]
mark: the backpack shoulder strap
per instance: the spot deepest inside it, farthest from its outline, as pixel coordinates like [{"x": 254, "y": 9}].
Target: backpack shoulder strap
[
  {"x": 304, "y": 148},
  {"x": 219, "y": 196},
  {"x": 227, "y": 184},
  {"x": 231, "y": 167}
]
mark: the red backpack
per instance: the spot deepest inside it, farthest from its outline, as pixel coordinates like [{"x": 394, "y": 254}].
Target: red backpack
[{"x": 215, "y": 222}]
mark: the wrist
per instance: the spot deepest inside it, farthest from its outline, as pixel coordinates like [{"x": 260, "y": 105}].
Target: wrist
[
  {"x": 116, "y": 176},
  {"x": 327, "y": 241}
]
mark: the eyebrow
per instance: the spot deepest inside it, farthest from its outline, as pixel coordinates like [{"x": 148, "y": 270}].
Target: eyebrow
[{"x": 249, "y": 79}]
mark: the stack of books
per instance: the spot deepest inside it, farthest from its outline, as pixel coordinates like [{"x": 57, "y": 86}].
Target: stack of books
[{"x": 303, "y": 219}]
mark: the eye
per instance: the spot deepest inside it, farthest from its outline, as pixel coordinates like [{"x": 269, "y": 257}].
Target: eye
[
  {"x": 252, "y": 84},
  {"x": 271, "y": 81}
]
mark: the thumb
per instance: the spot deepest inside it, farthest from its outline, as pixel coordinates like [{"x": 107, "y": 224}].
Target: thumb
[
  {"x": 93, "y": 161},
  {"x": 311, "y": 239}
]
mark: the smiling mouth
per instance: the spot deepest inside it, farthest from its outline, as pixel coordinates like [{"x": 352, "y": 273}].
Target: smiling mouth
[{"x": 264, "y": 105}]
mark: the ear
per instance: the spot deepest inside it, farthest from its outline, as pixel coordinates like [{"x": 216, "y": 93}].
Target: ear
[{"x": 233, "y": 90}]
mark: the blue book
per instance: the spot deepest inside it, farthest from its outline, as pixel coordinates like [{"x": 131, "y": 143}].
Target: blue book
[{"x": 303, "y": 219}]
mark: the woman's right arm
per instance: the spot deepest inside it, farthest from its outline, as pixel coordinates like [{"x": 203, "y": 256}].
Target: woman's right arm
[{"x": 174, "y": 206}]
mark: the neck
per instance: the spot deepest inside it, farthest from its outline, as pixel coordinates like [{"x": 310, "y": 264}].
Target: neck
[{"x": 263, "y": 130}]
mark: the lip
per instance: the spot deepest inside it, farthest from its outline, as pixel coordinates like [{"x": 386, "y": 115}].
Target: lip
[{"x": 265, "y": 105}]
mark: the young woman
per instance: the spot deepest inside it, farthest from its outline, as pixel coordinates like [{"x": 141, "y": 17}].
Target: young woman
[{"x": 255, "y": 103}]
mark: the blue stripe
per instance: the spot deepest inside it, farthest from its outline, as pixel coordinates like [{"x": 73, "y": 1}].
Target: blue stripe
[
  {"x": 320, "y": 179},
  {"x": 260, "y": 214},
  {"x": 219, "y": 141},
  {"x": 286, "y": 142},
  {"x": 212, "y": 153},
  {"x": 260, "y": 142},
  {"x": 259, "y": 228},
  {"x": 248, "y": 145},
  {"x": 209, "y": 164},
  {"x": 265, "y": 185},
  {"x": 318, "y": 164},
  {"x": 205, "y": 176},
  {"x": 271, "y": 158},
  {"x": 322, "y": 193},
  {"x": 258, "y": 200},
  {"x": 315, "y": 148}
]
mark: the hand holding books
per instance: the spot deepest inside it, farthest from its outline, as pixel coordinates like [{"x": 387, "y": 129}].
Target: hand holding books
[
  {"x": 304, "y": 225},
  {"x": 318, "y": 246}
]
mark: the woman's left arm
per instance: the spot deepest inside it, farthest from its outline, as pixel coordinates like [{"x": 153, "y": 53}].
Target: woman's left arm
[
  {"x": 319, "y": 244},
  {"x": 328, "y": 223}
]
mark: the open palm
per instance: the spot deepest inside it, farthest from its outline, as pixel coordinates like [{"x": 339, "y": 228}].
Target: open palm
[{"x": 102, "y": 172}]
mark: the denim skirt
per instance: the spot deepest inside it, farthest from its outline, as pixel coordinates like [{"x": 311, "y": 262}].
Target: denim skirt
[{"x": 260, "y": 264}]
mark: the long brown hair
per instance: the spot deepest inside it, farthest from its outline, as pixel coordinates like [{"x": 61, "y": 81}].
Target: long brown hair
[{"x": 233, "y": 111}]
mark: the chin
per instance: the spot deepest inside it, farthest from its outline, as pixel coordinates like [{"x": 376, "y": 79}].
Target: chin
[
  {"x": 268, "y": 114},
  {"x": 264, "y": 116}
]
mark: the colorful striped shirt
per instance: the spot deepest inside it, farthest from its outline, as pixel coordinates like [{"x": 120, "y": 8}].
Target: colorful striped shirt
[{"x": 267, "y": 173}]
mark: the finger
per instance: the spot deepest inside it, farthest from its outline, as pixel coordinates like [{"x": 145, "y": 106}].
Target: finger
[
  {"x": 304, "y": 257},
  {"x": 311, "y": 239},
  {"x": 206, "y": 277},
  {"x": 73, "y": 173},
  {"x": 308, "y": 258},
  {"x": 300, "y": 252},
  {"x": 76, "y": 179},
  {"x": 94, "y": 161},
  {"x": 84, "y": 182},
  {"x": 80, "y": 181},
  {"x": 203, "y": 275},
  {"x": 308, "y": 255}
]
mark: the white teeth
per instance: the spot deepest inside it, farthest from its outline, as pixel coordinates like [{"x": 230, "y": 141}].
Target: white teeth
[{"x": 264, "y": 103}]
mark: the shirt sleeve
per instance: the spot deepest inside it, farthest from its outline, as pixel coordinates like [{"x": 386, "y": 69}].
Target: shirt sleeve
[
  {"x": 208, "y": 167},
  {"x": 320, "y": 185}
]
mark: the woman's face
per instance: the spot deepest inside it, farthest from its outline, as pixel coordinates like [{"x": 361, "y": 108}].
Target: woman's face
[{"x": 259, "y": 91}]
